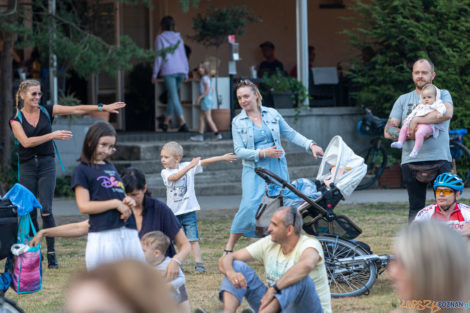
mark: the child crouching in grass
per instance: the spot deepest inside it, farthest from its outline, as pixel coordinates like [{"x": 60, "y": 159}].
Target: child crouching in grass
[{"x": 178, "y": 178}]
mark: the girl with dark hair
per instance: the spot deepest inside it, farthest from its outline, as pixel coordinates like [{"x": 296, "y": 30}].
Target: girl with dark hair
[
  {"x": 99, "y": 192},
  {"x": 31, "y": 126},
  {"x": 150, "y": 214},
  {"x": 173, "y": 68}
]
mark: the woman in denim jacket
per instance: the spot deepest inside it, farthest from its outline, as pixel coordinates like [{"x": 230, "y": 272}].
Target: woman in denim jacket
[{"x": 256, "y": 133}]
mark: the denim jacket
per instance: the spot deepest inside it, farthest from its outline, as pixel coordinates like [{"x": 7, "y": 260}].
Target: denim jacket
[{"x": 243, "y": 140}]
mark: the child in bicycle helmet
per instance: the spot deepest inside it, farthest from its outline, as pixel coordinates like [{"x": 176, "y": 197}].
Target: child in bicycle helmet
[
  {"x": 447, "y": 189},
  {"x": 430, "y": 101}
]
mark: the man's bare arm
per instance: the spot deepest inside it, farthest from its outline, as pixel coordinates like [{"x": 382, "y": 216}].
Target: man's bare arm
[
  {"x": 307, "y": 262},
  {"x": 226, "y": 267},
  {"x": 392, "y": 128}
]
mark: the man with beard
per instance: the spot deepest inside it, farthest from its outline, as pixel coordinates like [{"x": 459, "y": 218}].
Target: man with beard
[{"x": 434, "y": 157}]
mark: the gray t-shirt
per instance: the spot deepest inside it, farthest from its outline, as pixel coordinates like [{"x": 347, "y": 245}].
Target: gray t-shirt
[{"x": 433, "y": 149}]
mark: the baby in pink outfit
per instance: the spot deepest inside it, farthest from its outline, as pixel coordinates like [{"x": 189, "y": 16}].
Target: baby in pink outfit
[{"x": 430, "y": 102}]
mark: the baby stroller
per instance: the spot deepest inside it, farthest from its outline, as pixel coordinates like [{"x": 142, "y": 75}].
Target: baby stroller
[{"x": 351, "y": 266}]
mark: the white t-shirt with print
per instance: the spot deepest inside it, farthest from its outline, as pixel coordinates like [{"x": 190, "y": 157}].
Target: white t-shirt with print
[
  {"x": 276, "y": 263},
  {"x": 180, "y": 194}
]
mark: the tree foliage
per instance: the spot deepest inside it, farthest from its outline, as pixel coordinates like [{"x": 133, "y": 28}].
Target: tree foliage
[
  {"x": 213, "y": 28},
  {"x": 80, "y": 34},
  {"x": 392, "y": 34}
]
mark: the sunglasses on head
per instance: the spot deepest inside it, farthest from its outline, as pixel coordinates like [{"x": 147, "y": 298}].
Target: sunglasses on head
[
  {"x": 243, "y": 83},
  {"x": 294, "y": 215},
  {"x": 445, "y": 191}
]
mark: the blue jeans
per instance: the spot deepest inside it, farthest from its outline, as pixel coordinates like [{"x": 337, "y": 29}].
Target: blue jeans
[
  {"x": 172, "y": 83},
  {"x": 189, "y": 223},
  {"x": 38, "y": 175},
  {"x": 300, "y": 297}
]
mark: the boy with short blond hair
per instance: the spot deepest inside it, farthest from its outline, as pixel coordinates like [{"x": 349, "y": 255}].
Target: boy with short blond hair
[{"x": 178, "y": 178}]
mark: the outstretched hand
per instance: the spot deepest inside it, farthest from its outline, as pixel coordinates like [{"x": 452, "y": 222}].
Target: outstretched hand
[
  {"x": 316, "y": 150},
  {"x": 114, "y": 107},
  {"x": 194, "y": 162},
  {"x": 36, "y": 239},
  {"x": 62, "y": 134},
  {"x": 229, "y": 157}
]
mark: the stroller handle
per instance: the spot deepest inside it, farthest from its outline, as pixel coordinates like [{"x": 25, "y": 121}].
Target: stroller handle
[{"x": 267, "y": 175}]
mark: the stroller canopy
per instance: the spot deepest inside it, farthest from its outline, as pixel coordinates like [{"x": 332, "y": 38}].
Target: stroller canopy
[{"x": 341, "y": 166}]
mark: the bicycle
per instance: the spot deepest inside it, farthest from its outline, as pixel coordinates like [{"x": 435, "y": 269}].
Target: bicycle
[
  {"x": 460, "y": 154},
  {"x": 352, "y": 268},
  {"x": 376, "y": 155}
]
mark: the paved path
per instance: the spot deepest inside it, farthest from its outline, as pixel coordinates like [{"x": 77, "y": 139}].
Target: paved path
[{"x": 69, "y": 207}]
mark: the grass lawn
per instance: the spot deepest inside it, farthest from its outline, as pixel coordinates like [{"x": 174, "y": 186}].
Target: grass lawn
[{"x": 379, "y": 222}]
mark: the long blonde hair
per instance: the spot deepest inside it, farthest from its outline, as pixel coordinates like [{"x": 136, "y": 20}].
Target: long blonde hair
[
  {"x": 248, "y": 83},
  {"x": 436, "y": 257},
  {"x": 24, "y": 86}
]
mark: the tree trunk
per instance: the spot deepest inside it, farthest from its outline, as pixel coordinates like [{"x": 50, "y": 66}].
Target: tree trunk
[{"x": 6, "y": 83}]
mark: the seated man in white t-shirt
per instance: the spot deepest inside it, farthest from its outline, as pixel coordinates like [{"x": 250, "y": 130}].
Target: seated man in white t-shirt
[
  {"x": 294, "y": 266},
  {"x": 447, "y": 189}
]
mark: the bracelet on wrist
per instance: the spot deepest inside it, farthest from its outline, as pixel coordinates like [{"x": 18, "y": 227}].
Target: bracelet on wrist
[
  {"x": 227, "y": 251},
  {"x": 274, "y": 285},
  {"x": 176, "y": 260},
  {"x": 100, "y": 107}
]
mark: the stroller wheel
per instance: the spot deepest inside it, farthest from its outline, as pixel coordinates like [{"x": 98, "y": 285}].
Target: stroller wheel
[{"x": 349, "y": 271}]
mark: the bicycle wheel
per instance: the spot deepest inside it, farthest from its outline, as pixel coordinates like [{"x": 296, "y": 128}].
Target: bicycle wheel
[
  {"x": 349, "y": 273},
  {"x": 460, "y": 160},
  {"x": 376, "y": 161}
]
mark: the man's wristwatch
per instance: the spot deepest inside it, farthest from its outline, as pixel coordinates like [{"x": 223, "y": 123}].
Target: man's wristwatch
[{"x": 274, "y": 285}]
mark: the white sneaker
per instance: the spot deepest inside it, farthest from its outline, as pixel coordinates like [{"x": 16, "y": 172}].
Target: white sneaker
[
  {"x": 397, "y": 145},
  {"x": 413, "y": 154},
  {"x": 198, "y": 137},
  {"x": 218, "y": 137}
]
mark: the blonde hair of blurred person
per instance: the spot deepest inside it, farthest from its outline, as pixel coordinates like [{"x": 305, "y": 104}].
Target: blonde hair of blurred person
[
  {"x": 127, "y": 286},
  {"x": 431, "y": 263}
]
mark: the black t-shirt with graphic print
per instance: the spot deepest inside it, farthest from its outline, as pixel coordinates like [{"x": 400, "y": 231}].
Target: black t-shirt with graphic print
[{"x": 103, "y": 183}]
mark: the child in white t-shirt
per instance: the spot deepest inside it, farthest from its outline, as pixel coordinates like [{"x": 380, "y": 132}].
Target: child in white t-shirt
[
  {"x": 155, "y": 244},
  {"x": 180, "y": 195}
]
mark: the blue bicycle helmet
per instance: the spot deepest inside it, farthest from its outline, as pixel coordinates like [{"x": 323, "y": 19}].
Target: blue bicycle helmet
[{"x": 449, "y": 180}]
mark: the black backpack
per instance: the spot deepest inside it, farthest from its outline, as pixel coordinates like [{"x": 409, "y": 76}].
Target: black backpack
[{"x": 8, "y": 226}]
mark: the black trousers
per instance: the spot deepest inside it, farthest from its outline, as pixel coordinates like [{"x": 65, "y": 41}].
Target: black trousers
[
  {"x": 38, "y": 175},
  {"x": 417, "y": 190}
]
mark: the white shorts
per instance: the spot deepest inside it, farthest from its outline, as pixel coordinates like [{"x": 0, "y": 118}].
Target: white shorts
[{"x": 112, "y": 245}]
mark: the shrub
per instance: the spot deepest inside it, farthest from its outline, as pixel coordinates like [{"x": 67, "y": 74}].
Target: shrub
[{"x": 394, "y": 34}]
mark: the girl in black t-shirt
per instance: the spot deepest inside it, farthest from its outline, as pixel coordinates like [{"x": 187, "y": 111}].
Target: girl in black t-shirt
[
  {"x": 99, "y": 192},
  {"x": 31, "y": 126}
]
